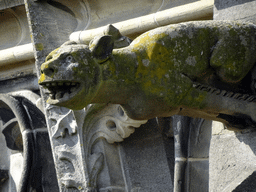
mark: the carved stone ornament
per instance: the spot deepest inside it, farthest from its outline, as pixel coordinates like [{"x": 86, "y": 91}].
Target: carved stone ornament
[
  {"x": 106, "y": 121},
  {"x": 202, "y": 69},
  {"x": 75, "y": 134},
  {"x": 186, "y": 69},
  {"x": 78, "y": 139}
]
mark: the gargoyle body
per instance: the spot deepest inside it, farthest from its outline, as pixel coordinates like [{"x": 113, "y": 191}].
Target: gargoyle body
[{"x": 198, "y": 69}]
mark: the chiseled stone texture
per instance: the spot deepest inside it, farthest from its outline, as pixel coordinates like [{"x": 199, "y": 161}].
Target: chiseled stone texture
[
  {"x": 243, "y": 10},
  {"x": 232, "y": 160}
]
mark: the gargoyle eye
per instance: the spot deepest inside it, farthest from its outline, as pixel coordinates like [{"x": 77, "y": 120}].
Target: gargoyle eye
[{"x": 69, "y": 58}]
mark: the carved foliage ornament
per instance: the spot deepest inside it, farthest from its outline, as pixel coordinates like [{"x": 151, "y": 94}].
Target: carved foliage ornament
[{"x": 75, "y": 134}]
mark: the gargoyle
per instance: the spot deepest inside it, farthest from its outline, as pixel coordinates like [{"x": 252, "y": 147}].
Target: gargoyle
[{"x": 199, "y": 69}]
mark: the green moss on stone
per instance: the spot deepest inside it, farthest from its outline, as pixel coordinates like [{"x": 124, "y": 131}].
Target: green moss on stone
[{"x": 39, "y": 46}]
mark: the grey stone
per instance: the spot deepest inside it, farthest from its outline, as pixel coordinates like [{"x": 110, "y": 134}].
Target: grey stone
[
  {"x": 243, "y": 10},
  {"x": 197, "y": 176},
  {"x": 232, "y": 160},
  {"x": 145, "y": 160},
  {"x": 24, "y": 128},
  {"x": 192, "y": 141},
  {"x": 232, "y": 156},
  {"x": 44, "y": 173},
  {"x": 3, "y": 176},
  {"x": 121, "y": 76},
  {"x": 10, "y": 3}
]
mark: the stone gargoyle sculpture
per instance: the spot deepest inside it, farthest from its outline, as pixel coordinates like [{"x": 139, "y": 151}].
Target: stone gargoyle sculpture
[{"x": 200, "y": 69}]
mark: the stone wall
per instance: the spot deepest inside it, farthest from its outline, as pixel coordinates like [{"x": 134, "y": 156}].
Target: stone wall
[{"x": 152, "y": 157}]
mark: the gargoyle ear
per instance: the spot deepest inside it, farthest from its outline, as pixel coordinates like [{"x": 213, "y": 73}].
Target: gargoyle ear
[{"x": 101, "y": 48}]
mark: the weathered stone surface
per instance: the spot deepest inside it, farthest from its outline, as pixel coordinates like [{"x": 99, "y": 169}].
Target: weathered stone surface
[
  {"x": 51, "y": 24},
  {"x": 243, "y": 10},
  {"x": 64, "y": 69},
  {"x": 232, "y": 160},
  {"x": 10, "y": 3},
  {"x": 232, "y": 156},
  {"x": 169, "y": 69},
  {"x": 101, "y": 11}
]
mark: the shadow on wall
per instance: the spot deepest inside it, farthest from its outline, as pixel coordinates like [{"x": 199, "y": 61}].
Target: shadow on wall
[
  {"x": 248, "y": 139},
  {"x": 249, "y": 183}
]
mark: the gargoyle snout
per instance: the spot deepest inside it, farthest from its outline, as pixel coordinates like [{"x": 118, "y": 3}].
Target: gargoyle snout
[{"x": 47, "y": 69}]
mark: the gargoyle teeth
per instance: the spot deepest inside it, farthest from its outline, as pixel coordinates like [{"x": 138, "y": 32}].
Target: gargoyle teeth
[
  {"x": 58, "y": 95},
  {"x": 224, "y": 93},
  {"x": 217, "y": 91},
  {"x": 52, "y": 96},
  {"x": 73, "y": 89},
  {"x": 58, "y": 90}
]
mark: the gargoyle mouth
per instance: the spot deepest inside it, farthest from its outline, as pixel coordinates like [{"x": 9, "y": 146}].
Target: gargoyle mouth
[{"x": 61, "y": 90}]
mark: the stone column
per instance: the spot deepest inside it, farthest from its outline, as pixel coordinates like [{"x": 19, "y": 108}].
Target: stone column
[
  {"x": 51, "y": 23},
  {"x": 232, "y": 154},
  {"x": 192, "y": 141}
]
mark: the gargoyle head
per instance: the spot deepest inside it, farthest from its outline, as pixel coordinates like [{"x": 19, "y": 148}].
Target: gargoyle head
[{"x": 72, "y": 72}]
